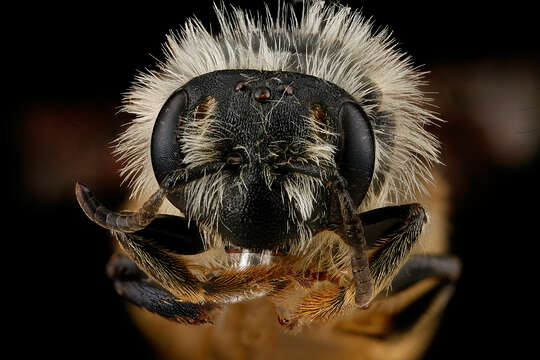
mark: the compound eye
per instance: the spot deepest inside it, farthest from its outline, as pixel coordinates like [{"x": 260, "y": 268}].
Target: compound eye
[
  {"x": 357, "y": 155},
  {"x": 165, "y": 151}
]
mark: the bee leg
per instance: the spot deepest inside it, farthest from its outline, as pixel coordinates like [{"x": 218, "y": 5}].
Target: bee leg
[
  {"x": 135, "y": 286},
  {"x": 390, "y": 234},
  {"x": 392, "y": 231},
  {"x": 405, "y": 304},
  {"x": 418, "y": 293},
  {"x": 171, "y": 272},
  {"x": 421, "y": 267},
  {"x": 159, "y": 264},
  {"x": 173, "y": 234},
  {"x": 246, "y": 284},
  {"x": 351, "y": 230}
]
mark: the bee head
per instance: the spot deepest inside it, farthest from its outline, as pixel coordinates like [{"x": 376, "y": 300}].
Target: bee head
[
  {"x": 255, "y": 124},
  {"x": 348, "y": 100}
]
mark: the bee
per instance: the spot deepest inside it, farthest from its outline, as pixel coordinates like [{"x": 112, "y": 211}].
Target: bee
[{"x": 279, "y": 161}]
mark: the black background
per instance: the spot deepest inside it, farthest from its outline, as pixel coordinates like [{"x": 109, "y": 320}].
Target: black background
[{"x": 84, "y": 56}]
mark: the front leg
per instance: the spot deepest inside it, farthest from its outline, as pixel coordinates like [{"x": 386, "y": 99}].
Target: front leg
[
  {"x": 350, "y": 230},
  {"x": 173, "y": 234},
  {"x": 421, "y": 267},
  {"x": 154, "y": 250},
  {"x": 135, "y": 286},
  {"x": 159, "y": 264},
  {"x": 152, "y": 246},
  {"x": 391, "y": 233}
]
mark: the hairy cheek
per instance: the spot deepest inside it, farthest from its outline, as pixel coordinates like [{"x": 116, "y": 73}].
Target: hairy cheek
[
  {"x": 302, "y": 194},
  {"x": 204, "y": 198}
]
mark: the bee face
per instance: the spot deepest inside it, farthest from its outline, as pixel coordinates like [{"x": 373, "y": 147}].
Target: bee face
[{"x": 255, "y": 124}]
